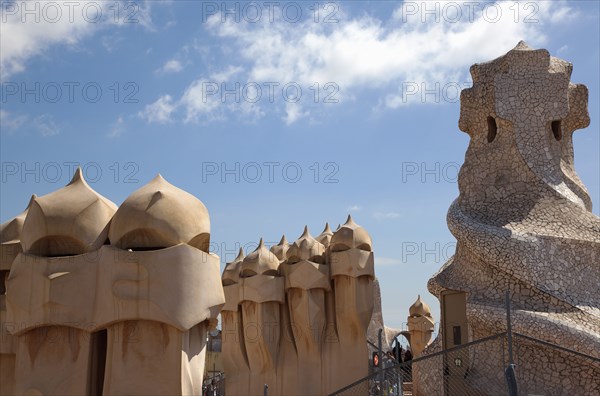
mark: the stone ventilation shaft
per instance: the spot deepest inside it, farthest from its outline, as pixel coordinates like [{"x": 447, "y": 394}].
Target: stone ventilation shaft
[
  {"x": 296, "y": 315},
  {"x": 107, "y": 300},
  {"x": 523, "y": 221},
  {"x": 420, "y": 327}
]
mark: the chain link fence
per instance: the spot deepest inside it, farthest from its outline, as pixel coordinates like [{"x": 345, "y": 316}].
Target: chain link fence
[
  {"x": 567, "y": 372},
  {"x": 214, "y": 386},
  {"x": 478, "y": 369}
]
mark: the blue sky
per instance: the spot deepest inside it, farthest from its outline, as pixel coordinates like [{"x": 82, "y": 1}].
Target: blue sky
[{"x": 357, "y": 111}]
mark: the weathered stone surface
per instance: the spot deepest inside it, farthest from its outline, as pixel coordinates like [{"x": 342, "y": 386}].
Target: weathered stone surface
[
  {"x": 523, "y": 219},
  {"x": 85, "y": 315},
  {"x": 308, "y": 337}
]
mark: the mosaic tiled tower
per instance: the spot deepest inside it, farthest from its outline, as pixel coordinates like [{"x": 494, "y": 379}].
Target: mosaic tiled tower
[
  {"x": 296, "y": 316},
  {"x": 107, "y": 300},
  {"x": 523, "y": 219}
]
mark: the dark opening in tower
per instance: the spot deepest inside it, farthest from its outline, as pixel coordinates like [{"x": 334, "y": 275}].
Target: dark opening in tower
[
  {"x": 97, "y": 363},
  {"x": 492, "y": 129},
  {"x": 556, "y": 129}
]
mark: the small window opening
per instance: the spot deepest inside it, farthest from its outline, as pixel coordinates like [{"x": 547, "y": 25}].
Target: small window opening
[
  {"x": 557, "y": 130},
  {"x": 492, "y": 129}
]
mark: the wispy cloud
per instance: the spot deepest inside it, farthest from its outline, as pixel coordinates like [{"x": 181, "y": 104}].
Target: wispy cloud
[
  {"x": 171, "y": 66},
  {"x": 117, "y": 128},
  {"x": 27, "y": 35},
  {"x": 294, "y": 112},
  {"x": 365, "y": 53},
  {"x": 45, "y": 125},
  {"x": 110, "y": 42},
  {"x": 159, "y": 111},
  {"x": 354, "y": 208},
  {"x": 387, "y": 261},
  {"x": 386, "y": 215},
  {"x": 199, "y": 103},
  {"x": 202, "y": 99},
  {"x": 11, "y": 123}
]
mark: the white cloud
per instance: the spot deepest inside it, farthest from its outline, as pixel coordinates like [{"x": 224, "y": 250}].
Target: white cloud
[
  {"x": 561, "y": 15},
  {"x": 293, "y": 112},
  {"x": 117, "y": 128},
  {"x": 387, "y": 261},
  {"x": 26, "y": 35},
  {"x": 386, "y": 215},
  {"x": 110, "y": 42},
  {"x": 159, "y": 111},
  {"x": 23, "y": 40},
  {"x": 354, "y": 208},
  {"x": 171, "y": 66},
  {"x": 394, "y": 56},
  {"x": 45, "y": 125},
  {"x": 9, "y": 122},
  {"x": 199, "y": 100},
  {"x": 226, "y": 75},
  {"x": 206, "y": 100}
]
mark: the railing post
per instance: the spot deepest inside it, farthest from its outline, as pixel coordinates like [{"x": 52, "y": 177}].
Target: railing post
[
  {"x": 510, "y": 373},
  {"x": 399, "y": 374},
  {"x": 509, "y": 329},
  {"x": 381, "y": 359}
]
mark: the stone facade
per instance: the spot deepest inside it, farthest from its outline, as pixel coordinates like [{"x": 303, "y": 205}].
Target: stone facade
[
  {"x": 523, "y": 219},
  {"x": 296, "y": 315},
  {"x": 107, "y": 300}
]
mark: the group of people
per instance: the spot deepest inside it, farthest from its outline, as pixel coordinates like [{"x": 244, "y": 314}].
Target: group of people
[
  {"x": 391, "y": 386},
  {"x": 405, "y": 355},
  {"x": 213, "y": 387}
]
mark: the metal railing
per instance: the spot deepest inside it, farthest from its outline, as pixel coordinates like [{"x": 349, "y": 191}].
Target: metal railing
[
  {"x": 214, "y": 386},
  {"x": 449, "y": 372},
  {"x": 569, "y": 372},
  {"x": 507, "y": 363}
]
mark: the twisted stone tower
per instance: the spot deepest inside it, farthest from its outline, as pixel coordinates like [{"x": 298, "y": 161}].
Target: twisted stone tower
[{"x": 523, "y": 219}]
